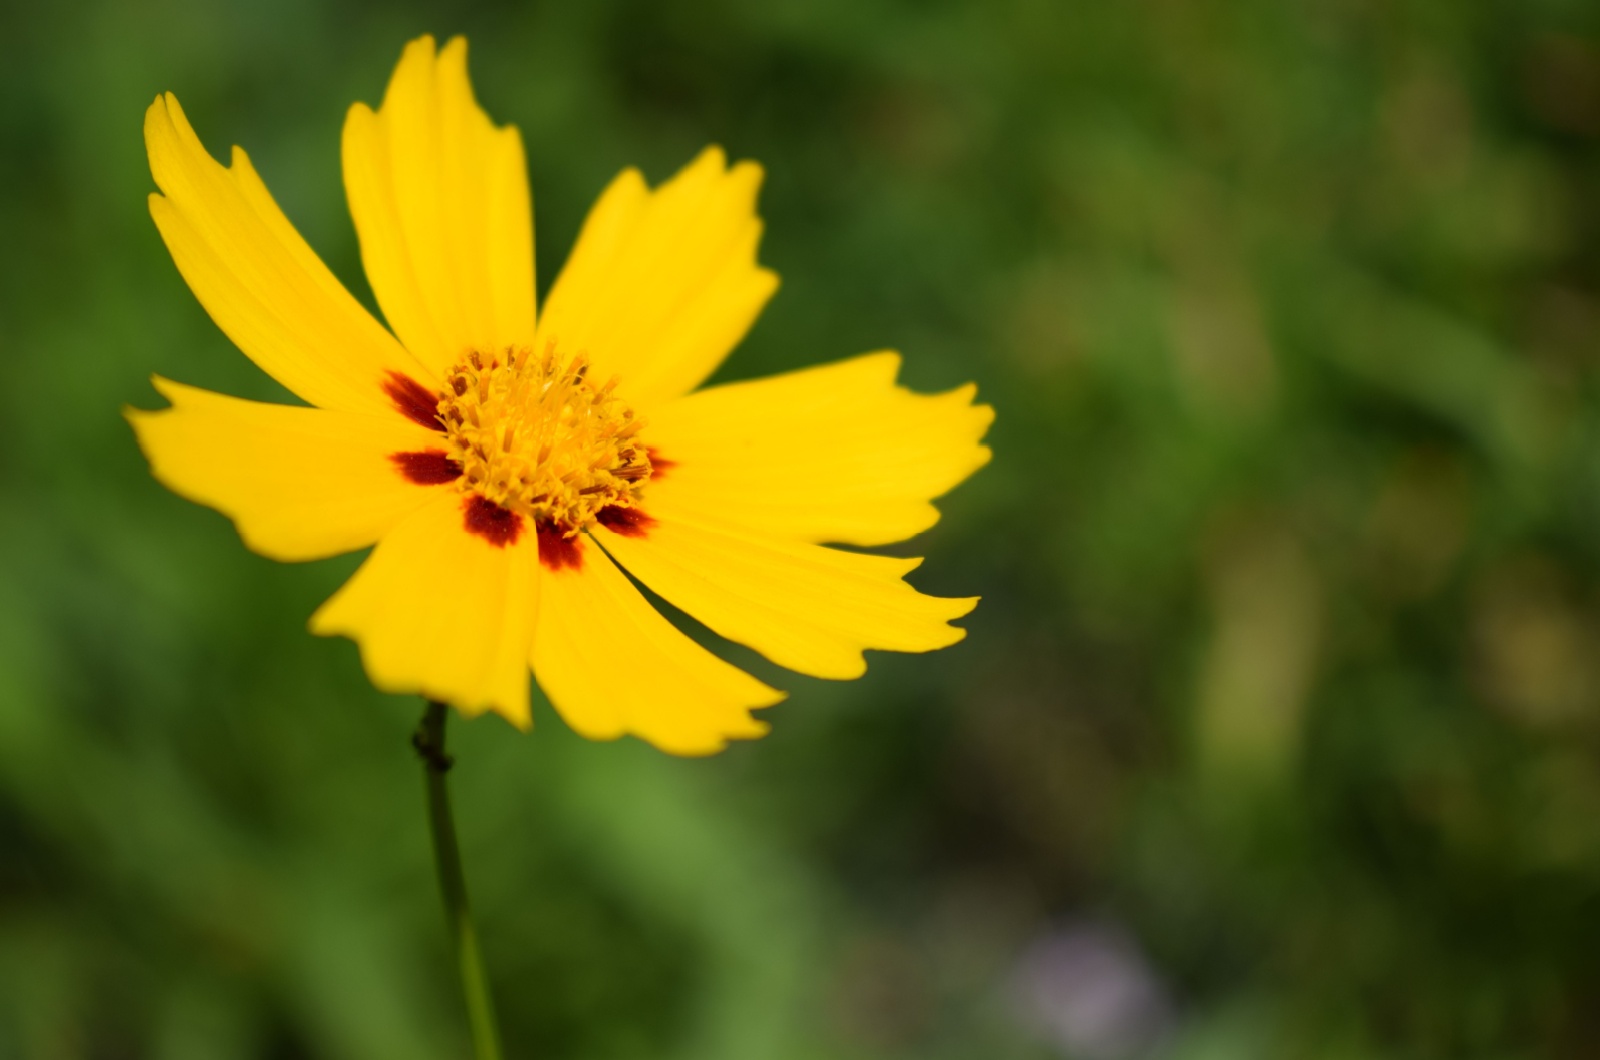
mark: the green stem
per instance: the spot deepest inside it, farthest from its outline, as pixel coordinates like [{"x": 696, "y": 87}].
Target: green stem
[{"x": 429, "y": 742}]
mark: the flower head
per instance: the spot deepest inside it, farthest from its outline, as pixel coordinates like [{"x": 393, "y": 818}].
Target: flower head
[{"x": 509, "y": 465}]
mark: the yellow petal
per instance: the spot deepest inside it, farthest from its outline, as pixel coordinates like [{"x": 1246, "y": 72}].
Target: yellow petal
[
  {"x": 443, "y": 613},
  {"x": 299, "y": 483},
  {"x": 662, "y": 285},
  {"x": 837, "y": 453},
  {"x": 611, "y": 664},
  {"x": 259, "y": 280},
  {"x": 810, "y": 608},
  {"x": 441, "y": 203}
]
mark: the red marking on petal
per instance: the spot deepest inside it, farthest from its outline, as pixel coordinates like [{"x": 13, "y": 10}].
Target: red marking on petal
[
  {"x": 629, "y": 522},
  {"x": 430, "y": 467},
  {"x": 658, "y": 463},
  {"x": 496, "y": 525},
  {"x": 413, "y": 400},
  {"x": 558, "y": 551}
]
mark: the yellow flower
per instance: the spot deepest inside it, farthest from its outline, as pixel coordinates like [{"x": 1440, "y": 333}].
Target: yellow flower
[{"x": 505, "y": 465}]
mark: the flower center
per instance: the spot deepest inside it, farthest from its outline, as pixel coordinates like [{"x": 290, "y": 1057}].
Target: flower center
[{"x": 536, "y": 437}]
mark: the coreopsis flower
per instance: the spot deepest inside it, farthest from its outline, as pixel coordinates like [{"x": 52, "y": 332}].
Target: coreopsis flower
[{"x": 508, "y": 466}]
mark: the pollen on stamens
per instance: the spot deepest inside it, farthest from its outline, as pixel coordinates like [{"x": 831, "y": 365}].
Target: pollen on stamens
[{"x": 536, "y": 437}]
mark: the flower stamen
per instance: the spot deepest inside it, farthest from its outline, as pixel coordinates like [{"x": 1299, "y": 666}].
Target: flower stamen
[{"x": 534, "y": 437}]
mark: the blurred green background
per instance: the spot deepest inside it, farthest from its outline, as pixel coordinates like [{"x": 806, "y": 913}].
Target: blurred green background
[{"x": 1277, "y": 734}]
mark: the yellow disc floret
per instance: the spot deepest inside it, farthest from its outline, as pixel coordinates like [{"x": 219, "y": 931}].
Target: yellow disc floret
[{"x": 536, "y": 437}]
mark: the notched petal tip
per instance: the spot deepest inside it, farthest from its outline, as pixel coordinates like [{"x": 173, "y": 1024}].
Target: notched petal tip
[
  {"x": 519, "y": 716},
  {"x": 441, "y": 204},
  {"x": 700, "y": 292},
  {"x": 132, "y": 413},
  {"x": 766, "y": 285},
  {"x": 170, "y": 389},
  {"x": 156, "y": 113},
  {"x": 139, "y": 419},
  {"x": 465, "y": 645},
  {"x": 698, "y": 749},
  {"x": 613, "y": 665},
  {"x": 454, "y": 52},
  {"x": 520, "y": 723},
  {"x": 256, "y": 277},
  {"x": 421, "y": 48},
  {"x": 167, "y": 137},
  {"x": 889, "y": 362},
  {"x": 324, "y": 623},
  {"x": 710, "y": 156},
  {"x": 966, "y": 605}
]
